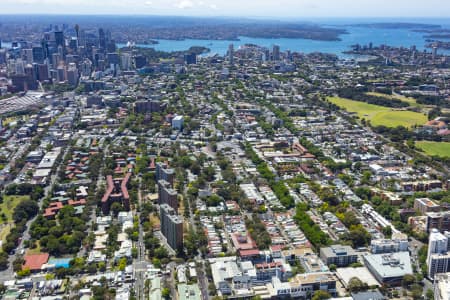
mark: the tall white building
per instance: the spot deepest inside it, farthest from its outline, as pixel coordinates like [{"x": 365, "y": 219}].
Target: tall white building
[{"x": 438, "y": 258}]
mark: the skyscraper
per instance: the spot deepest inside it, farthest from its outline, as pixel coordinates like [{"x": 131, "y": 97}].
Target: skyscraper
[
  {"x": 38, "y": 55},
  {"x": 59, "y": 38},
  {"x": 231, "y": 54},
  {"x": 101, "y": 39},
  {"x": 276, "y": 53}
]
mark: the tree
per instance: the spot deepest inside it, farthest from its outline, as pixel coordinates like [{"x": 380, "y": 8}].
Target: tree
[
  {"x": 416, "y": 291},
  {"x": 116, "y": 207},
  {"x": 356, "y": 285},
  {"x": 429, "y": 294},
  {"x": 3, "y": 260},
  {"x": 408, "y": 280},
  {"x": 387, "y": 231},
  {"x": 165, "y": 293},
  {"x": 25, "y": 210},
  {"x": 321, "y": 295}
]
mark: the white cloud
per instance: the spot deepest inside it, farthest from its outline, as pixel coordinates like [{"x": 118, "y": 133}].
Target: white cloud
[
  {"x": 184, "y": 4},
  {"x": 148, "y": 3}
]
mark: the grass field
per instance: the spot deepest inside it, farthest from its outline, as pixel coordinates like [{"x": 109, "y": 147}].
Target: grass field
[
  {"x": 380, "y": 115},
  {"x": 7, "y": 208},
  {"x": 434, "y": 148},
  {"x": 8, "y": 205}
]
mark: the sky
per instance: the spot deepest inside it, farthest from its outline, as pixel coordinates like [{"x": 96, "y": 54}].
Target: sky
[{"x": 236, "y": 8}]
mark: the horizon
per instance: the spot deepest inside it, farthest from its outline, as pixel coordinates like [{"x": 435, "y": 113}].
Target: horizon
[{"x": 283, "y": 9}]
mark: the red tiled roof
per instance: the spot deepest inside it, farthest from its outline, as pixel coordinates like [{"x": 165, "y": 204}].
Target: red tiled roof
[
  {"x": 250, "y": 252},
  {"x": 34, "y": 262}
]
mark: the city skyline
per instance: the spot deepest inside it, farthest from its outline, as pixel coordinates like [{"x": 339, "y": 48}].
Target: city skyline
[{"x": 233, "y": 8}]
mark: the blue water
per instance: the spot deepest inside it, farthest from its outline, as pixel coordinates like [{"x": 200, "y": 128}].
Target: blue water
[{"x": 356, "y": 35}]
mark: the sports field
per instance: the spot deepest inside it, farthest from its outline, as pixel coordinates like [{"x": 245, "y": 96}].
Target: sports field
[
  {"x": 380, "y": 115},
  {"x": 434, "y": 148}
]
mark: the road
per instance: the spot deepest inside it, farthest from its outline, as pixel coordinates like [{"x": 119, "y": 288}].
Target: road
[{"x": 140, "y": 264}]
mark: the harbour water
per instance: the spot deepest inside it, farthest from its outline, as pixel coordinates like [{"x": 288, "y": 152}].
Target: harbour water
[{"x": 355, "y": 35}]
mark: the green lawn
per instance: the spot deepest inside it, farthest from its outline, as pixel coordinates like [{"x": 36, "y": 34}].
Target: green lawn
[
  {"x": 380, "y": 115},
  {"x": 434, "y": 148},
  {"x": 8, "y": 205},
  {"x": 7, "y": 208}
]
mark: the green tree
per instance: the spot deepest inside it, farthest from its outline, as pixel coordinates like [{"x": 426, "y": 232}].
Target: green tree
[
  {"x": 356, "y": 285},
  {"x": 321, "y": 295},
  {"x": 165, "y": 293}
]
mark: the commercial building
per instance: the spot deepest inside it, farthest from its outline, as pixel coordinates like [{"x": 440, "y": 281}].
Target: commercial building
[
  {"x": 338, "y": 255},
  {"x": 189, "y": 292},
  {"x": 442, "y": 286},
  {"x": 171, "y": 226},
  {"x": 398, "y": 243},
  {"x": 390, "y": 268},
  {"x": 304, "y": 285}
]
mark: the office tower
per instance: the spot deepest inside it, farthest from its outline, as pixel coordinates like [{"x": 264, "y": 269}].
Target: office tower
[
  {"x": 3, "y": 57},
  {"x": 77, "y": 30},
  {"x": 61, "y": 74},
  {"x": 231, "y": 54},
  {"x": 82, "y": 38},
  {"x": 190, "y": 58},
  {"x": 126, "y": 61},
  {"x": 18, "y": 66},
  {"x": 113, "y": 58},
  {"x": 434, "y": 54},
  {"x": 276, "y": 53},
  {"x": 289, "y": 55},
  {"x": 72, "y": 74},
  {"x": 27, "y": 55},
  {"x": 73, "y": 44},
  {"x": 101, "y": 39},
  {"x": 86, "y": 67},
  {"x": 171, "y": 226},
  {"x": 43, "y": 72},
  {"x": 111, "y": 46},
  {"x": 30, "y": 72},
  {"x": 38, "y": 55},
  {"x": 59, "y": 39},
  {"x": 140, "y": 61},
  {"x": 266, "y": 54},
  {"x": 61, "y": 52},
  {"x": 56, "y": 59}
]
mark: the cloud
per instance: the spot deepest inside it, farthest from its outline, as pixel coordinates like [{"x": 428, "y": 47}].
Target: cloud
[
  {"x": 148, "y": 3},
  {"x": 184, "y": 4}
]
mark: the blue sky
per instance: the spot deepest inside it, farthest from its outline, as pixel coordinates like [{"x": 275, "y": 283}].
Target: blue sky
[{"x": 247, "y": 8}]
